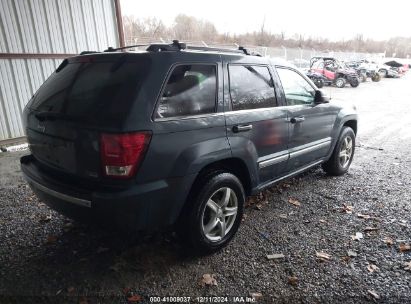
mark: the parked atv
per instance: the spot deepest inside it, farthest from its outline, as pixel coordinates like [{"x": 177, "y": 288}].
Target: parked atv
[
  {"x": 318, "y": 79},
  {"x": 371, "y": 68},
  {"x": 361, "y": 72},
  {"x": 334, "y": 72}
]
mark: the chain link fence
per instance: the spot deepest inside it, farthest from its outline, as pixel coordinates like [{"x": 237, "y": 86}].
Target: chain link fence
[{"x": 298, "y": 56}]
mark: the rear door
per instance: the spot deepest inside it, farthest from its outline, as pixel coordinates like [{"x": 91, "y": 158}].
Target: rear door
[
  {"x": 310, "y": 125},
  {"x": 188, "y": 121},
  {"x": 256, "y": 123}
]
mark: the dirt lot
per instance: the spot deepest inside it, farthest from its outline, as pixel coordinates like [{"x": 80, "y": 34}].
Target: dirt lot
[{"x": 45, "y": 257}]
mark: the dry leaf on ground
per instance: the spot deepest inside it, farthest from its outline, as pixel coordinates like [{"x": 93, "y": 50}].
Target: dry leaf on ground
[
  {"x": 351, "y": 254},
  {"x": 45, "y": 219},
  {"x": 256, "y": 295},
  {"x": 322, "y": 221},
  {"x": 294, "y": 202},
  {"x": 347, "y": 209},
  {"x": 369, "y": 229},
  {"x": 388, "y": 241},
  {"x": 292, "y": 280},
  {"x": 275, "y": 256},
  {"x": 363, "y": 216},
  {"x": 404, "y": 247},
  {"x": 51, "y": 239},
  {"x": 134, "y": 298},
  {"x": 407, "y": 266},
  {"x": 372, "y": 267},
  {"x": 358, "y": 236},
  {"x": 208, "y": 280},
  {"x": 374, "y": 294},
  {"x": 259, "y": 207},
  {"x": 323, "y": 256}
]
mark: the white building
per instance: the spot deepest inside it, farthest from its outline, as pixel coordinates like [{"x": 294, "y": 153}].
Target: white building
[{"x": 36, "y": 35}]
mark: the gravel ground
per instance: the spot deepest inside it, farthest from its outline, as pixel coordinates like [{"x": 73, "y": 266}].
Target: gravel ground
[{"x": 45, "y": 257}]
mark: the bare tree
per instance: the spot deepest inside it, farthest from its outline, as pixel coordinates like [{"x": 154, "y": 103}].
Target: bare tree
[{"x": 189, "y": 28}]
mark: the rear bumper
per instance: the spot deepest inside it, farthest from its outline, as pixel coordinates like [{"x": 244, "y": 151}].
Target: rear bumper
[{"x": 149, "y": 206}]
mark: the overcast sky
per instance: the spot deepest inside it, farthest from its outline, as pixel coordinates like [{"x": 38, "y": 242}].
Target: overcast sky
[{"x": 318, "y": 18}]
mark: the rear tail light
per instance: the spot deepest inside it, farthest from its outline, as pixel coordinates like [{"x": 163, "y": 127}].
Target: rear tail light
[{"x": 121, "y": 154}]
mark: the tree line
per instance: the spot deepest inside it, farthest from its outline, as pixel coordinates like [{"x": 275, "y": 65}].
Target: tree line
[{"x": 189, "y": 28}]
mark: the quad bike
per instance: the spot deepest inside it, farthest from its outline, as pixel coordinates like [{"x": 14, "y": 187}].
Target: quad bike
[
  {"x": 365, "y": 69},
  {"x": 334, "y": 72},
  {"x": 371, "y": 69},
  {"x": 318, "y": 79},
  {"x": 361, "y": 72}
]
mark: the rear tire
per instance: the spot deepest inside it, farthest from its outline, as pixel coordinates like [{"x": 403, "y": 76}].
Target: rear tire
[
  {"x": 209, "y": 223},
  {"x": 340, "y": 82},
  {"x": 355, "y": 82},
  {"x": 343, "y": 153},
  {"x": 376, "y": 77}
]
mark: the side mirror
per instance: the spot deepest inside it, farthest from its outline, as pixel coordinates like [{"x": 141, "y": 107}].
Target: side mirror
[{"x": 320, "y": 97}]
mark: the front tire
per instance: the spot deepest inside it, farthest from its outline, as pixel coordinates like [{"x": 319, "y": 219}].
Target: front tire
[
  {"x": 214, "y": 213},
  {"x": 343, "y": 153},
  {"x": 340, "y": 82},
  {"x": 319, "y": 83},
  {"x": 383, "y": 73}
]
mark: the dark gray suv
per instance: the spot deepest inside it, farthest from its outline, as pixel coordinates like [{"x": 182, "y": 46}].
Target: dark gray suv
[{"x": 177, "y": 136}]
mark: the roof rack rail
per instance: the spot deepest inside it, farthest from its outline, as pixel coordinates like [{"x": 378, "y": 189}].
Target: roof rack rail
[
  {"x": 211, "y": 49},
  {"x": 88, "y": 52},
  {"x": 178, "y": 46},
  {"x": 111, "y": 49},
  {"x": 161, "y": 47}
]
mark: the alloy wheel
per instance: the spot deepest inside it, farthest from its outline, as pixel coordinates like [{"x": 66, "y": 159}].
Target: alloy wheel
[
  {"x": 346, "y": 152},
  {"x": 219, "y": 214}
]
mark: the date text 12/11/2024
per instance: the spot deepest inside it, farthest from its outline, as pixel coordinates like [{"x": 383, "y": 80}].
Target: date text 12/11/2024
[{"x": 205, "y": 299}]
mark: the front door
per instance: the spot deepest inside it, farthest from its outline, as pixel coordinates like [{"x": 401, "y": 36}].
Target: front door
[
  {"x": 256, "y": 125},
  {"x": 310, "y": 125}
]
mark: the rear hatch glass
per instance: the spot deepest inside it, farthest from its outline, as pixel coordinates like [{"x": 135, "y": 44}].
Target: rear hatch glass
[
  {"x": 92, "y": 91},
  {"x": 83, "y": 98}
]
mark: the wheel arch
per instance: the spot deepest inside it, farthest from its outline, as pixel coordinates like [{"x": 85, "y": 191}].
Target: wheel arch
[
  {"x": 352, "y": 123},
  {"x": 232, "y": 165}
]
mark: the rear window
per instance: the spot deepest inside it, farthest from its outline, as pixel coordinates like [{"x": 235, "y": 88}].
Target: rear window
[
  {"x": 190, "y": 90},
  {"x": 92, "y": 90}
]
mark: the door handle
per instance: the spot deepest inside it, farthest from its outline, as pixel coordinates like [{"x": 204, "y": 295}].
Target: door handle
[
  {"x": 242, "y": 128},
  {"x": 297, "y": 119}
]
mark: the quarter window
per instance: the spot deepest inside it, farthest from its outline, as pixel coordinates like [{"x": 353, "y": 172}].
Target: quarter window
[
  {"x": 297, "y": 90},
  {"x": 251, "y": 87},
  {"x": 190, "y": 90}
]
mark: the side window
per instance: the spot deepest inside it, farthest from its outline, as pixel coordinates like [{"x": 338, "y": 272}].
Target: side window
[
  {"x": 297, "y": 90},
  {"x": 319, "y": 65},
  {"x": 251, "y": 87},
  {"x": 190, "y": 90}
]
